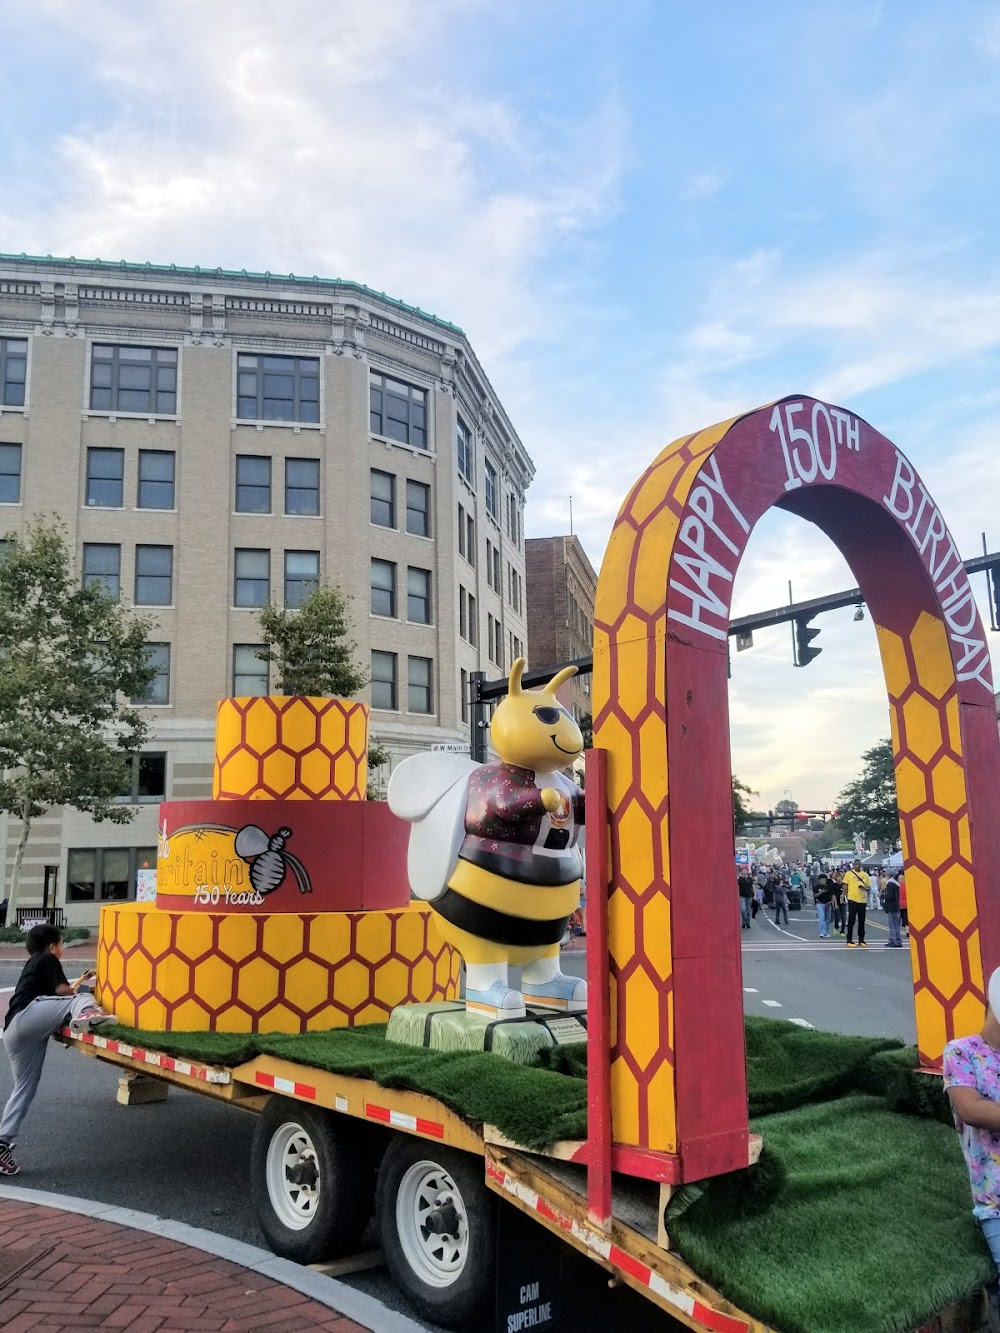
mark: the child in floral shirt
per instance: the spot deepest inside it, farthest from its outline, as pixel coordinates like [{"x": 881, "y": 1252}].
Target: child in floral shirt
[{"x": 972, "y": 1079}]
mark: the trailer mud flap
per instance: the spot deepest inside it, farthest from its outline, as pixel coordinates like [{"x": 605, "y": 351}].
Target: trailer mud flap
[{"x": 542, "y": 1283}]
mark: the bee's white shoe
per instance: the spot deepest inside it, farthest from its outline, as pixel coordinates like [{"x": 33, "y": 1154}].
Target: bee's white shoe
[
  {"x": 498, "y": 1001},
  {"x": 559, "y": 992}
]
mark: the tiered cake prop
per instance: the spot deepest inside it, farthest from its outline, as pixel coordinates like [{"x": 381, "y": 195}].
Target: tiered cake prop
[
  {"x": 282, "y": 904},
  {"x": 495, "y": 850}
]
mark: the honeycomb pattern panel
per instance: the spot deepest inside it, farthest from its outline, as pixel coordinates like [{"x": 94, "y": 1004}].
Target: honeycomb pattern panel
[
  {"x": 630, "y": 722},
  {"x": 933, "y": 818},
  {"x": 181, "y": 971},
  {"x": 292, "y": 749}
]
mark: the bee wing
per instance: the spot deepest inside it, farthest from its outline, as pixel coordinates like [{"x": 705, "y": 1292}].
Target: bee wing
[
  {"x": 430, "y": 794},
  {"x": 250, "y": 841},
  {"x": 418, "y": 783}
]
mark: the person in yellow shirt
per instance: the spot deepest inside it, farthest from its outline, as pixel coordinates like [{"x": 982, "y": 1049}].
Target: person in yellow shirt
[{"x": 858, "y": 885}]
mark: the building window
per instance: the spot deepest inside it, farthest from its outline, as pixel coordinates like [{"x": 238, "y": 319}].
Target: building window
[
  {"x": 156, "y": 479},
  {"x": 105, "y": 474},
  {"x": 463, "y": 613},
  {"x": 383, "y": 588},
  {"x": 384, "y": 681},
  {"x": 133, "y": 379},
  {"x": 253, "y": 484},
  {"x": 464, "y": 453},
  {"x": 489, "y": 637},
  {"x": 398, "y": 411},
  {"x": 249, "y": 671},
  {"x": 154, "y": 575},
  {"x": 251, "y": 578},
  {"x": 490, "y": 485},
  {"x": 418, "y": 509},
  {"x": 301, "y": 576},
  {"x": 301, "y": 485},
  {"x": 493, "y": 568},
  {"x": 463, "y": 693},
  {"x": 418, "y": 596},
  {"x": 10, "y": 474},
  {"x": 461, "y": 530},
  {"x": 514, "y": 588},
  {"x": 495, "y": 641},
  {"x": 146, "y": 783},
  {"x": 13, "y": 371},
  {"x": 514, "y": 520},
  {"x": 473, "y": 623},
  {"x": 470, "y": 540},
  {"x": 157, "y": 692},
  {"x": 418, "y": 685},
  {"x": 277, "y": 388},
  {"x": 102, "y": 566},
  {"x": 105, "y": 874},
  {"x": 383, "y": 499}
]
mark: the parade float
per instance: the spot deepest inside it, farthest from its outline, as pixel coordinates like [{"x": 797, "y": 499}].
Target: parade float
[{"x": 738, "y": 1175}]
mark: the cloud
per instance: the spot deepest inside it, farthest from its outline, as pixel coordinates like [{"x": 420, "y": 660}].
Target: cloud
[
  {"x": 298, "y": 139},
  {"x": 702, "y": 185}
]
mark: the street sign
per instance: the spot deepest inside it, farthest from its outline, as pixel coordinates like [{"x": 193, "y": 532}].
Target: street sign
[{"x": 451, "y": 747}]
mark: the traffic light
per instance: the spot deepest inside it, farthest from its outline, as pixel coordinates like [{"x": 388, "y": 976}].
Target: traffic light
[{"x": 804, "y": 635}]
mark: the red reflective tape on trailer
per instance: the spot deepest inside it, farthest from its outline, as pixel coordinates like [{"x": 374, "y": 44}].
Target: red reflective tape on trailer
[
  {"x": 204, "y": 1073},
  {"x": 302, "y": 1090},
  {"x": 401, "y": 1120},
  {"x": 641, "y": 1272},
  {"x": 721, "y": 1323}
]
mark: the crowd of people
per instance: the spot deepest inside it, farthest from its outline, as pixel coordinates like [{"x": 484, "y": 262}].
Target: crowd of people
[{"x": 843, "y": 897}]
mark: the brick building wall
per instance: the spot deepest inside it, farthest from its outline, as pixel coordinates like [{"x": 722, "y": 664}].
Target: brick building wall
[{"x": 561, "y": 586}]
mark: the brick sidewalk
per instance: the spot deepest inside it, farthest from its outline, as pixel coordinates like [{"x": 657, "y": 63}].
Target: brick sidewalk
[{"x": 62, "y": 1271}]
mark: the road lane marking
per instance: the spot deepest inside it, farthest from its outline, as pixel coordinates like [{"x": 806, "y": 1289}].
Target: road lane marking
[
  {"x": 773, "y": 1004},
  {"x": 801, "y": 1022},
  {"x": 747, "y": 990}
]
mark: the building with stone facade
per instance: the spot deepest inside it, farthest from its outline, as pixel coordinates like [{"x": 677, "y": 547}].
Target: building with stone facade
[
  {"x": 561, "y": 587},
  {"x": 216, "y": 439}
]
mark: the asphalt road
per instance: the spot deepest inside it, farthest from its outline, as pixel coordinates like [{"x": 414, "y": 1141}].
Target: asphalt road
[{"x": 186, "y": 1157}]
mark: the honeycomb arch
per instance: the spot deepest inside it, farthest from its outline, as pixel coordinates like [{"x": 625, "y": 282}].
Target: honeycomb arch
[{"x": 661, "y": 712}]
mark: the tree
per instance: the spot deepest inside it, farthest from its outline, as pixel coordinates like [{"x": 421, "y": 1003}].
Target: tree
[
  {"x": 313, "y": 654},
  {"x": 786, "y": 807},
  {"x": 310, "y": 646},
  {"x": 586, "y": 725},
  {"x": 868, "y": 804},
  {"x": 66, "y": 655},
  {"x": 741, "y": 811}
]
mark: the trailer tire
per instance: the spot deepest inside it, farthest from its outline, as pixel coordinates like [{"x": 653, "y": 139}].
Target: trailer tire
[
  {"x": 312, "y": 1180},
  {"x": 447, "y": 1270}
]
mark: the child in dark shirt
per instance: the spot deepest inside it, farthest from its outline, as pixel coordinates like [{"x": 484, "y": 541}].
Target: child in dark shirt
[{"x": 42, "y": 1003}]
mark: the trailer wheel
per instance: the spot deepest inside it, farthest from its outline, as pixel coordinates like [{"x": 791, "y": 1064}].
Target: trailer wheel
[
  {"x": 312, "y": 1181},
  {"x": 438, "y": 1227}
]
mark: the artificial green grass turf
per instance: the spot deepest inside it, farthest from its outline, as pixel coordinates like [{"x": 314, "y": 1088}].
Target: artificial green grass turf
[
  {"x": 529, "y": 1105},
  {"x": 787, "y": 1066},
  {"x": 873, "y": 1232}
]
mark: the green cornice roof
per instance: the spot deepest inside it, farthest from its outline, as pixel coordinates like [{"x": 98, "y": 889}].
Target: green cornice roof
[{"x": 180, "y": 270}]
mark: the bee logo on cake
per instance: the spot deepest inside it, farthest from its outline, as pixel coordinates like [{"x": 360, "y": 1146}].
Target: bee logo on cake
[
  {"x": 217, "y": 864},
  {"x": 268, "y": 860},
  {"x": 494, "y": 848}
]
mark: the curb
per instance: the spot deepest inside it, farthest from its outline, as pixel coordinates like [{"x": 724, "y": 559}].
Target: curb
[{"x": 328, "y": 1291}]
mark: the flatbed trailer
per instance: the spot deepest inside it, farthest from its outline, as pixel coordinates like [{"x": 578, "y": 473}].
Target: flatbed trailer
[{"x": 317, "y": 1127}]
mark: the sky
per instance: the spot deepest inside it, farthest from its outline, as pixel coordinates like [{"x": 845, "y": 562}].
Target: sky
[{"x": 647, "y": 215}]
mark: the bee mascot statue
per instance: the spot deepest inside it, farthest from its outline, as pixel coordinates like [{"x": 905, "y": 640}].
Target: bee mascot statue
[{"x": 494, "y": 849}]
